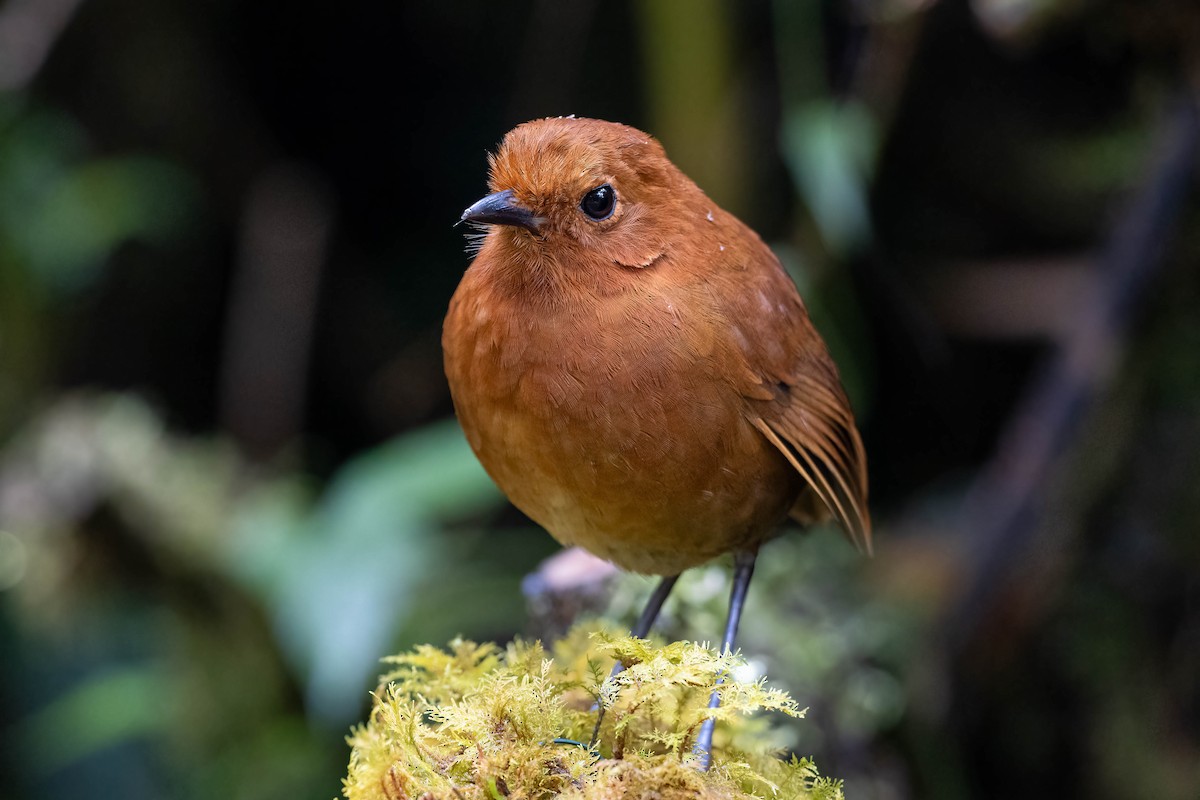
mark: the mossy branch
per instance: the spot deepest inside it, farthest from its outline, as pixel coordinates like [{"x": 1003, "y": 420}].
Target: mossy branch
[{"x": 474, "y": 722}]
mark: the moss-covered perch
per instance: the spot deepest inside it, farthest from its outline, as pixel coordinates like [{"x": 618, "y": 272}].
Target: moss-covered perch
[{"x": 475, "y": 722}]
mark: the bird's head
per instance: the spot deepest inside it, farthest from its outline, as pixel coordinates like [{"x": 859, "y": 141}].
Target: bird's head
[{"x": 585, "y": 191}]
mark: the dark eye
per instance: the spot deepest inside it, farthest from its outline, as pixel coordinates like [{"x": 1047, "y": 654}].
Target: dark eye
[{"x": 599, "y": 202}]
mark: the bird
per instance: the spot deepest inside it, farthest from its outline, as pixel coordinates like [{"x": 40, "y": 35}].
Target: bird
[{"x": 635, "y": 370}]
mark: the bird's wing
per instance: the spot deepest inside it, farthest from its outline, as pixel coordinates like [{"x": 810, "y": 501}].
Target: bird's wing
[
  {"x": 795, "y": 398},
  {"x": 816, "y": 434}
]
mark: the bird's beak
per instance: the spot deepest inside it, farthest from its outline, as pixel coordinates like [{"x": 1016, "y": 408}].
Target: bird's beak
[{"x": 502, "y": 209}]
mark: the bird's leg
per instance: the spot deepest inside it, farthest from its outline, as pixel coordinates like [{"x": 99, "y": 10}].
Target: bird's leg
[
  {"x": 640, "y": 630},
  {"x": 743, "y": 571},
  {"x": 645, "y": 622}
]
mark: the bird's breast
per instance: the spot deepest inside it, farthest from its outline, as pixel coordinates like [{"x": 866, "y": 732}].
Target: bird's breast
[{"x": 612, "y": 425}]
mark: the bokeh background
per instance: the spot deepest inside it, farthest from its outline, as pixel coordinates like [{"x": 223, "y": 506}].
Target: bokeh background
[{"x": 229, "y": 477}]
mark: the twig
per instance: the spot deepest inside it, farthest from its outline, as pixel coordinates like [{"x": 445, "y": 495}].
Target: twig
[{"x": 1002, "y": 506}]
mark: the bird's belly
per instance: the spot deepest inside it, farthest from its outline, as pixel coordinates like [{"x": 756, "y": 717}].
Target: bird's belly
[{"x": 656, "y": 472}]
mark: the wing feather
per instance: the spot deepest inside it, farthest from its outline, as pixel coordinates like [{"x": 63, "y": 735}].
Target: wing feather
[
  {"x": 807, "y": 416},
  {"x": 829, "y": 485}
]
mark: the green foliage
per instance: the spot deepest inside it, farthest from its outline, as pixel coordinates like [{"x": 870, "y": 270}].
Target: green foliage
[
  {"x": 367, "y": 544},
  {"x": 830, "y": 149},
  {"x": 63, "y": 211},
  {"x": 141, "y": 568},
  {"x": 473, "y": 722},
  {"x": 102, "y": 711}
]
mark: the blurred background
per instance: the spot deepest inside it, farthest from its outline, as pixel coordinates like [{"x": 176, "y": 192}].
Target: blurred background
[{"x": 229, "y": 477}]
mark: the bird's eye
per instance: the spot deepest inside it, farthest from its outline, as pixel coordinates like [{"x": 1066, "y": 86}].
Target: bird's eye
[{"x": 599, "y": 203}]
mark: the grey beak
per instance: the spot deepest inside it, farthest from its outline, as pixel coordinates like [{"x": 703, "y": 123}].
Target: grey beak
[{"x": 501, "y": 209}]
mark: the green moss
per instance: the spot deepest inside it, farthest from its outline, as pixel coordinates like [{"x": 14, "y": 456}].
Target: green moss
[{"x": 474, "y": 722}]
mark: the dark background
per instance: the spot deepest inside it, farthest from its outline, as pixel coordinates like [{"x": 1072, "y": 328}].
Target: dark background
[{"x": 228, "y": 478}]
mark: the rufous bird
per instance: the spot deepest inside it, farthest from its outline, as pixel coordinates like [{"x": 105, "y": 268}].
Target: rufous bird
[{"x": 636, "y": 371}]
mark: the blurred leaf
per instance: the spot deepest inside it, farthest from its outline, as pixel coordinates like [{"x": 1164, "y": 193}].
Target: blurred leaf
[
  {"x": 104, "y": 710},
  {"x": 74, "y": 225},
  {"x": 429, "y": 474},
  {"x": 61, "y": 214},
  {"x": 830, "y": 149},
  {"x": 1094, "y": 163},
  {"x": 349, "y": 571}
]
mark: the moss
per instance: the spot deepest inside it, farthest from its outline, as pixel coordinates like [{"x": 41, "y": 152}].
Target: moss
[{"x": 475, "y": 722}]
